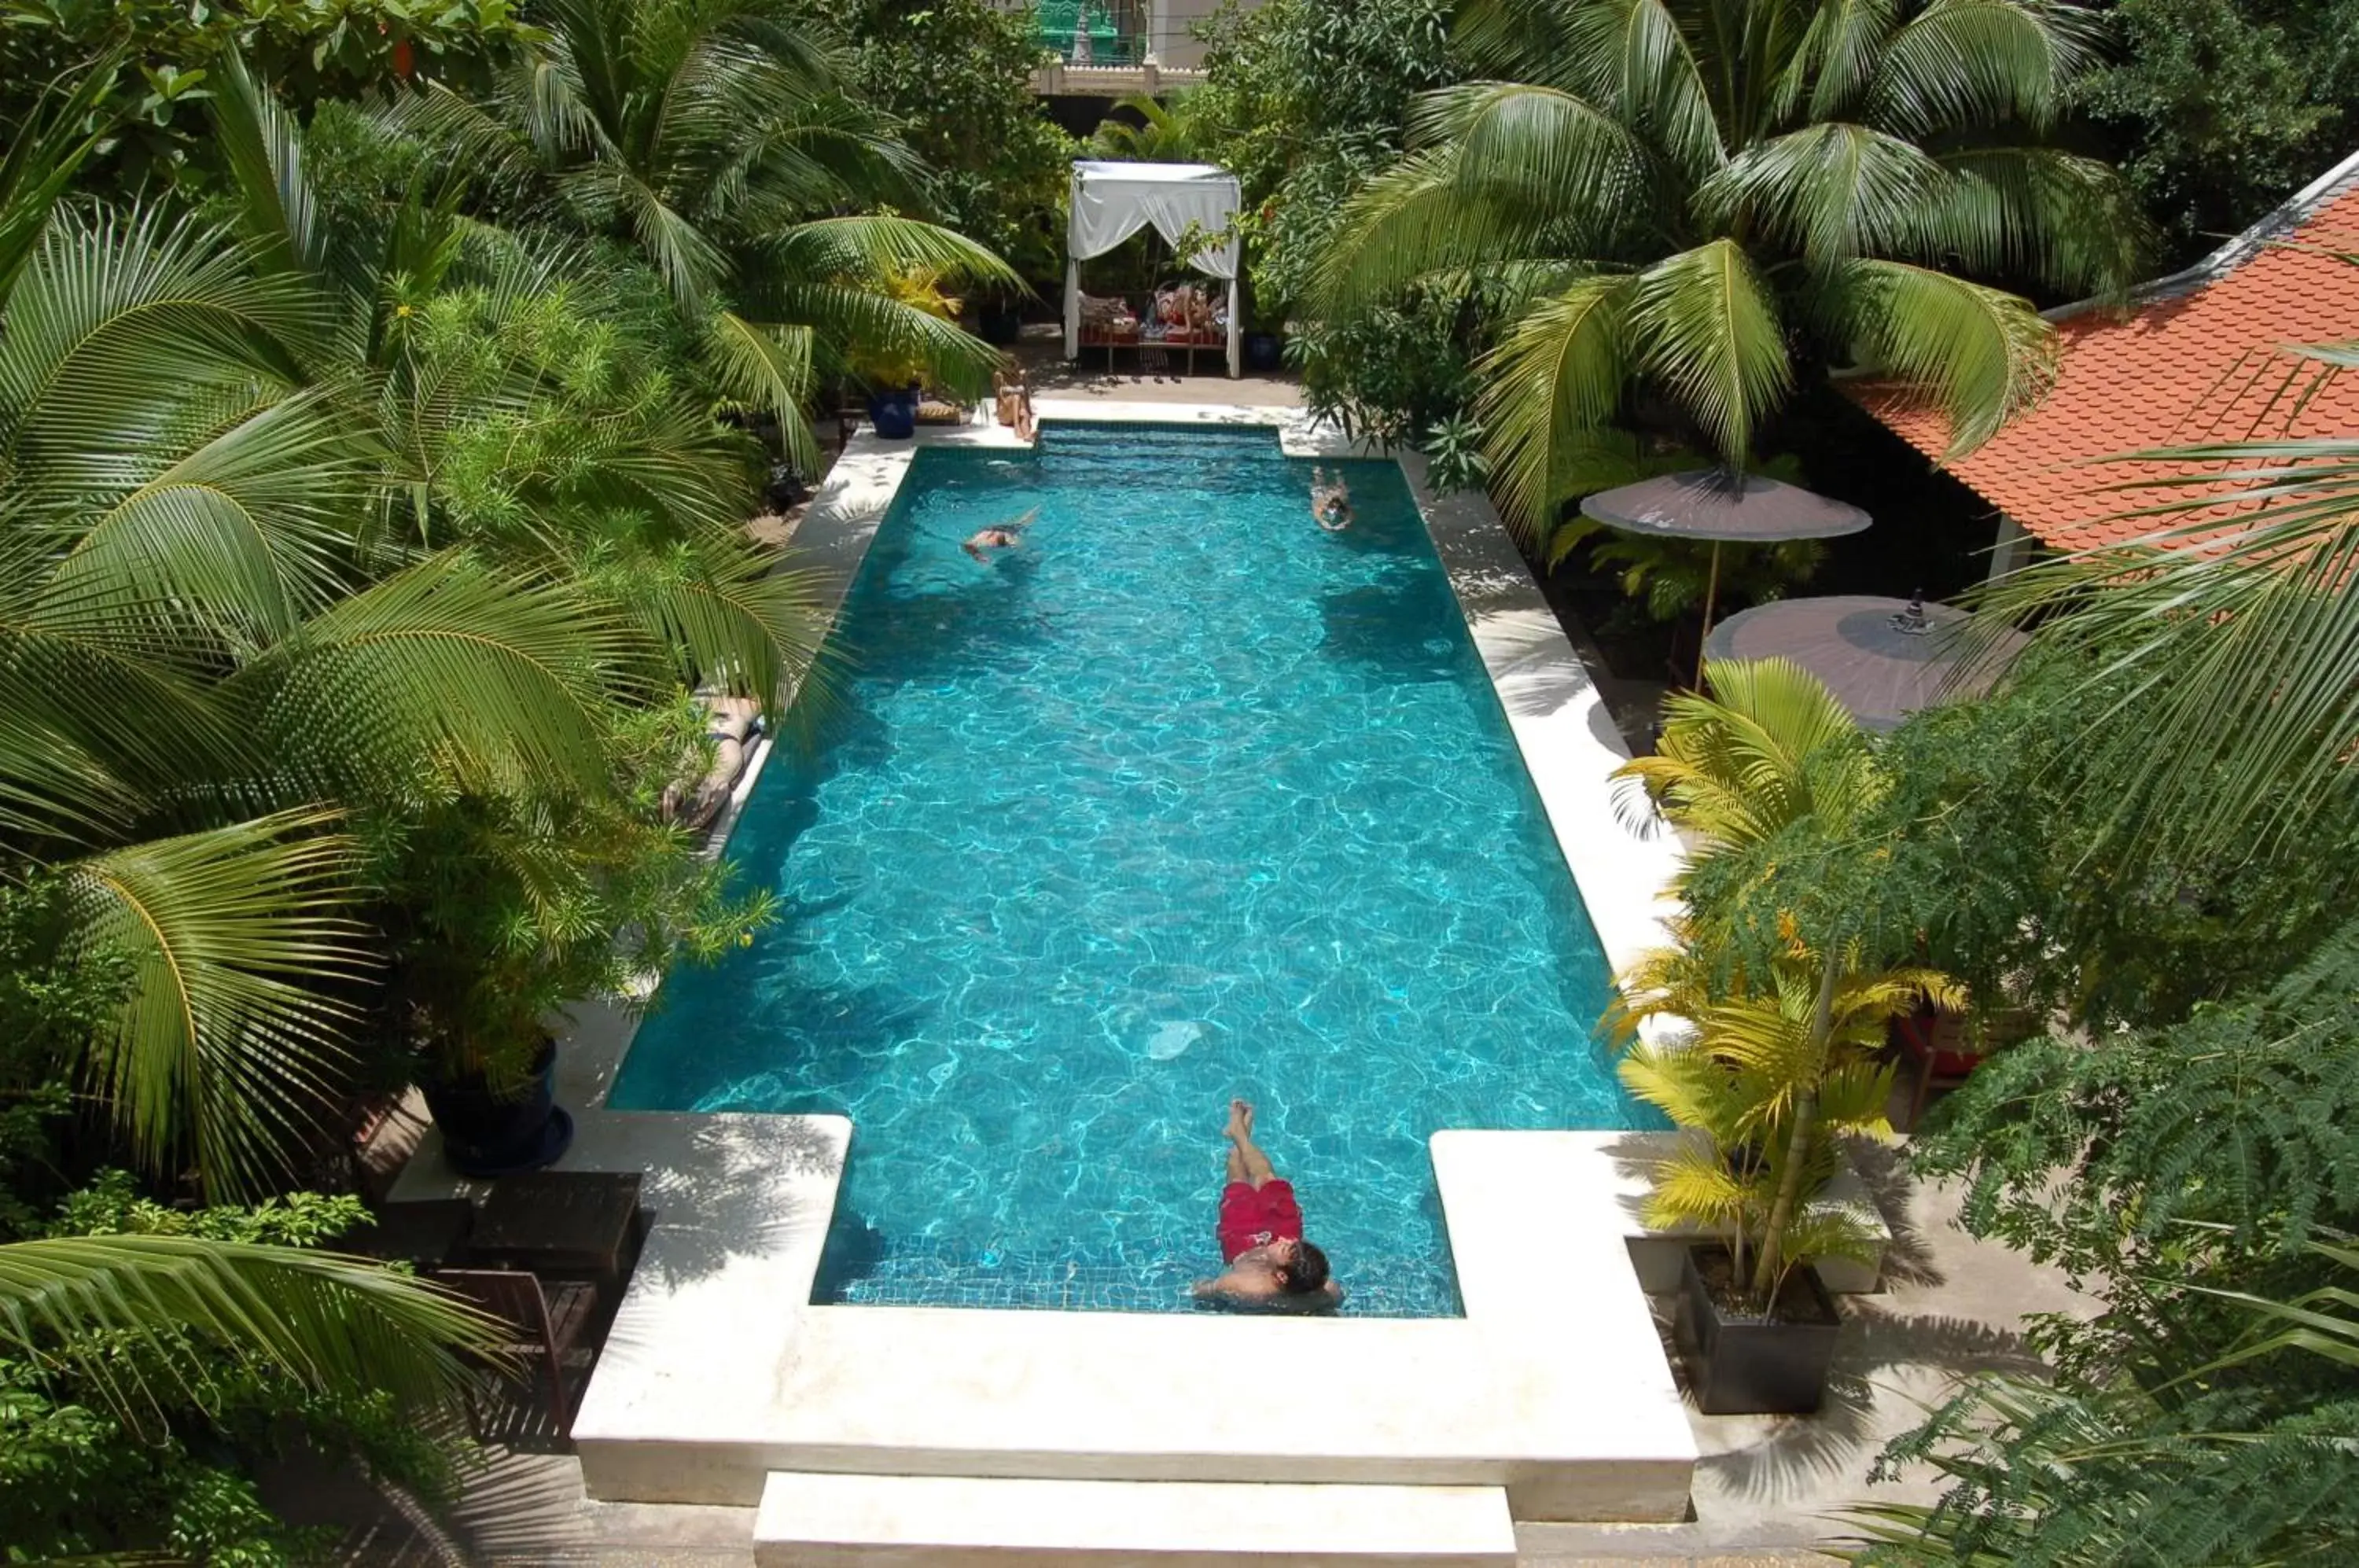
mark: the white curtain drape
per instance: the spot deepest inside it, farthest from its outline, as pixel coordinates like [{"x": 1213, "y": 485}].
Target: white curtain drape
[{"x": 1112, "y": 201}]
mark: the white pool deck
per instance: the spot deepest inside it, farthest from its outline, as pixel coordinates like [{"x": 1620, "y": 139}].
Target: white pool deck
[{"x": 719, "y": 1372}]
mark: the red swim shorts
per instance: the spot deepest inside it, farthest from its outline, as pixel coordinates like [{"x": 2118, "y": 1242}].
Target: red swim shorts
[{"x": 1251, "y": 1218}]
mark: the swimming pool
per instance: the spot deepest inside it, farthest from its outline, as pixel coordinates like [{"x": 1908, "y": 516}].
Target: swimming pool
[{"x": 1180, "y": 799}]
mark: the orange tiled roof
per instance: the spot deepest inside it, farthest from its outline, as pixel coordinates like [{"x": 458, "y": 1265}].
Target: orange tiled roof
[{"x": 2200, "y": 357}]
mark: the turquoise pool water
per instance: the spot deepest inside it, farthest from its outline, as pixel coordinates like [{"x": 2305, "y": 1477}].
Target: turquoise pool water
[{"x": 1180, "y": 799}]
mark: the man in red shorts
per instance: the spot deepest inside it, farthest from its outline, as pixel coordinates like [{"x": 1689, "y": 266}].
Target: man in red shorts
[{"x": 1270, "y": 1265}]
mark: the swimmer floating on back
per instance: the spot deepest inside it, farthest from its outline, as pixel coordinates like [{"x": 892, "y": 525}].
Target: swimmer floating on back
[
  {"x": 1330, "y": 503},
  {"x": 999, "y": 535}
]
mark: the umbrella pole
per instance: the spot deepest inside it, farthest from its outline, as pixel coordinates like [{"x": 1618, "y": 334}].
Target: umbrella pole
[{"x": 1710, "y": 591}]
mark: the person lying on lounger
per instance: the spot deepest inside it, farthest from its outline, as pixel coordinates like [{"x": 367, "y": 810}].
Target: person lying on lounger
[
  {"x": 999, "y": 535},
  {"x": 1330, "y": 503},
  {"x": 1271, "y": 1268}
]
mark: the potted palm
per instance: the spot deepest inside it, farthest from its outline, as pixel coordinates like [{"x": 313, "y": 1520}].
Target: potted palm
[
  {"x": 891, "y": 364},
  {"x": 1775, "y": 1069},
  {"x": 1773, "y": 999}
]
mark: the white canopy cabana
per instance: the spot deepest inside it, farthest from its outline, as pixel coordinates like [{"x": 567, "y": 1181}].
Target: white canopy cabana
[{"x": 1113, "y": 202}]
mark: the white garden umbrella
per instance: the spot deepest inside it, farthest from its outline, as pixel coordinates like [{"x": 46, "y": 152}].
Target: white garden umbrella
[
  {"x": 1719, "y": 504},
  {"x": 1883, "y": 658}
]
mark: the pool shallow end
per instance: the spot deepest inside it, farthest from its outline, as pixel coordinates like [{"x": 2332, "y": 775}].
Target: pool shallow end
[{"x": 1554, "y": 1385}]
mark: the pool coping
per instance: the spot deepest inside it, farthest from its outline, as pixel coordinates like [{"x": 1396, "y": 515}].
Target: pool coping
[{"x": 717, "y": 1374}]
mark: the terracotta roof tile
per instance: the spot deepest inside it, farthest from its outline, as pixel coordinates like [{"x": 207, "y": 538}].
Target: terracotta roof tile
[{"x": 2207, "y": 365}]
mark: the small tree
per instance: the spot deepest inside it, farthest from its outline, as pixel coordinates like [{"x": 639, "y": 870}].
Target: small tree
[
  {"x": 1785, "y": 969},
  {"x": 1772, "y": 1075}
]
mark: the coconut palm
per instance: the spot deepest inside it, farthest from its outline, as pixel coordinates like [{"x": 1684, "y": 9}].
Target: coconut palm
[
  {"x": 711, "y": 136},
  {"x": 510, "y": 419},
  {"x": 1692, "y": 204},
  {"x": 193, "y": 656}
]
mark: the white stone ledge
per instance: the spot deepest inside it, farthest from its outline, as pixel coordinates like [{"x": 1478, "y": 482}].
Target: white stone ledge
[
  {"x": 941, "y": 1521},
  {"x": 1554, "y": 1386}
]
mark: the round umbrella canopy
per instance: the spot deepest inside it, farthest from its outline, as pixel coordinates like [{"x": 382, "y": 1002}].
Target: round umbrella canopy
[
  {"x": 1883, "y": 658},
  {"x": 1718, "y": 505},
  {"x": 1712, "y": 504}
]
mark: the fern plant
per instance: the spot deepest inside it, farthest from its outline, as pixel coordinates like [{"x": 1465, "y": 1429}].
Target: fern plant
[{"x": 2211, "y": 1437}]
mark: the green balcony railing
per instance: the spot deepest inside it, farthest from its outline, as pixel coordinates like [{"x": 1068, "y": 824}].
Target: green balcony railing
[{"x": 1115, "y": 31}]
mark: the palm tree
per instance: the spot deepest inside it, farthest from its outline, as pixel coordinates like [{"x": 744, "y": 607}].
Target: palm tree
[
  {"x": 1687, "y": 203},
  {"x": 1767, "y": 747},
  {"x": 1772, "y": 1072},
  {"x": 1177, "y": 130},
  {"x": 196, "y": 657},
  {"x": 711, "y": 136}
]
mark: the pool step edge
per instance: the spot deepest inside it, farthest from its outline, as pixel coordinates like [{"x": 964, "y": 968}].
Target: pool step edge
[{"x": 832, "y": 1519}]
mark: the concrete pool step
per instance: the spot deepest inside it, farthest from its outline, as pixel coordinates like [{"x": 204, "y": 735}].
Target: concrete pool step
[{"x": 817, "y": 1520}]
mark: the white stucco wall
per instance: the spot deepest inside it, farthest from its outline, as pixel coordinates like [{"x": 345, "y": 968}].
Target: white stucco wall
[{"x": 1171, "y": 30}]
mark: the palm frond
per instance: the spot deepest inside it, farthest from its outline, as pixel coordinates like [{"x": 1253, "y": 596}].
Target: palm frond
[
  {"x": 874, "y": 245},
  {"x": 2235, "y": 628},
  {"x": 226, "y": 1050},
  {"x": 2073, "y": 222},
  {"x": 447, "y": 674},
  {"x": 119, "y": 322},
  {"x": 1978, "y": 353},
  {"x": 335, "y": 1325},
  {"x": 768, "y": 368},
  {"x": 1958, "y": 64},
  {"x": 38, "y": 165},
  {"x": 886, "y": 328},
  {"x": 1549, "y": 388},
  {"x": 1707, "y": 331},
  {"x": 1828, "y": 191},
  {"x": 263, "y": 146},
  {"x": 244, "y": 535}
]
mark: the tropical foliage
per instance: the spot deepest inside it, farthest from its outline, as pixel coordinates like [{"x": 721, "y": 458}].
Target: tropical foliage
[
  {"x": 1775, "y": 1062},
  {"x": 149, "y": 1357},
  {"x": 1691, "y": 206},
  {"x": 957, "y": 74},
  {"x": 159, "y": 63},
  {"x": 718, "y": 142},
  {"x": 2188, "y": 1156},
  {"x": 2221, "y": 109},
  {"x": 1305, "y": 100},
  {"x": 2201, "y": 1176},
  {"x": 2233, "y": 624}
]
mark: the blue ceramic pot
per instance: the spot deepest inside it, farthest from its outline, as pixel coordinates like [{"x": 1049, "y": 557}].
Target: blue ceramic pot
[{"x": 895, "y": 414}]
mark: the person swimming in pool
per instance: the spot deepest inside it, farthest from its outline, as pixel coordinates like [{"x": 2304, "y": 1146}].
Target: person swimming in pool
[
  {"x": 1271, "y": 1268},
  {"x": 1330, "y": 504},
  {"x": 999, "y": 535}
]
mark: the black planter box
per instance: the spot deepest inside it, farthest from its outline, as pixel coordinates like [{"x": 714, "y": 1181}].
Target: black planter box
[
  {"x": 1751, "y": 1366},
  {"x": 487, "y": 1134}
]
